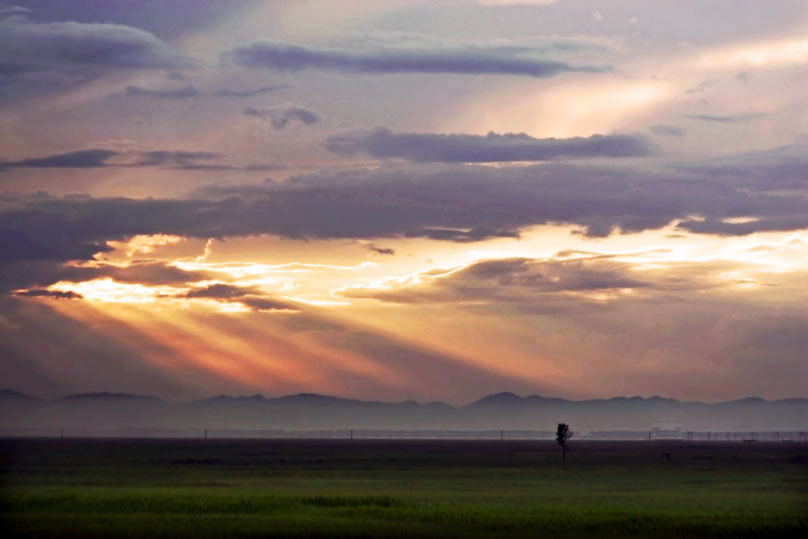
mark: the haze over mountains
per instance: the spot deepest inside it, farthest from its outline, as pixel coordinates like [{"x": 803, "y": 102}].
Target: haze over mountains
[{"x": 307, "y": 411}]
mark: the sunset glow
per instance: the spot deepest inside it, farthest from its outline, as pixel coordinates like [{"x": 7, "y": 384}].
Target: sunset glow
[{"x": 406, "y": 200}]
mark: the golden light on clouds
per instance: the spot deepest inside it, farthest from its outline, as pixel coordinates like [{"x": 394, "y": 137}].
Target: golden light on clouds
[
  {"x": 107, "y": 290},
  {"x": 388, "y": 197},
  {"x": 229, "y": 338},
  {"x": 331, "y": 285},
  {"x": 144, "y": 244}
]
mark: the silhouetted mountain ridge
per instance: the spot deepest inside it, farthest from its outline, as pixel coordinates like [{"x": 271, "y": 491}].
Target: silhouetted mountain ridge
[
  {"x": 303, "y": 411},
  {"x": 10, "y": 394},
  {"x": 505, "y": 397},
  {"x": 228, "y": 399}
]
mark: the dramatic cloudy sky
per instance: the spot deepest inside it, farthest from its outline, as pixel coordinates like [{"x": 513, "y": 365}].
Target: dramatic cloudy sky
[{"x": 404, "y": 198}]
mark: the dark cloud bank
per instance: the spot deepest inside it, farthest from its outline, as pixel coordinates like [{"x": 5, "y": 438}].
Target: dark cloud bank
[
  {"x": 477, "y": 61},
  {"x": 229, "y": 92},
  {"x": 458, "y": 148},
  {"x": 173, "y": 93},
  {"x": 447, "y": 202},
  {"x": 91, "y": 158},
  {"x": 41, "y": 292},
  {"x": 32, "y": 45},
  {"x": 166, "y": 19},
  {"x": 100, "y": 157},
  {"x": 40, "y": 57},
  {"x": 192, "y": 92},
  {"x": 380, "y": 143}
]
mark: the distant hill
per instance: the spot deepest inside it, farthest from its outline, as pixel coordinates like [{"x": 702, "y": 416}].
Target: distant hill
[
  {"x": 499, "y": 399},
  {"x": 9, "y": 394},
  {"x": 307, "y": 411}
]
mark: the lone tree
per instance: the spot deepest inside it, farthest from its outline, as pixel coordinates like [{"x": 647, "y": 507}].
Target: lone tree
[{"x": 563, "y": 434}]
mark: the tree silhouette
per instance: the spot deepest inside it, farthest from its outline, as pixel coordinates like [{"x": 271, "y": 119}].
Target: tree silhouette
[{"x": 563, "y": 434}]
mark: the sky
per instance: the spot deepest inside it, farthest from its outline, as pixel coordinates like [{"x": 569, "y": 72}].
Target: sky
[{"x": 393, "y": 200}]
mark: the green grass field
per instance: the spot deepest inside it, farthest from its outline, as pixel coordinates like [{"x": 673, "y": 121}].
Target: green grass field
[{"x": 262, "y": 488}]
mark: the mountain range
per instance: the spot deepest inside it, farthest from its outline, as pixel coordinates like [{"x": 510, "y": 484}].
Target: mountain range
[{"x": 309, "y": 411}]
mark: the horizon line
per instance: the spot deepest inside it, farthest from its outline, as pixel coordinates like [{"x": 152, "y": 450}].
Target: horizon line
[{"x": 501, "y": 394}]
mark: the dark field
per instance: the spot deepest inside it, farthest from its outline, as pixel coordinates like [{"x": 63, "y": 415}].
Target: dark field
[{"x": 341, "y": 488}]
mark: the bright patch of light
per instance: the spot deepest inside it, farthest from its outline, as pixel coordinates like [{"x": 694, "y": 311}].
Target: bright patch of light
[
  {"x": 144, "y": 244},
  {"x": 108, "y": 291},
  {"x": 239, "y": 270},
  {"x": 739, "y": 220},
  {"x": 320, "y": 302},
  {"x": 792, "y": 52}
]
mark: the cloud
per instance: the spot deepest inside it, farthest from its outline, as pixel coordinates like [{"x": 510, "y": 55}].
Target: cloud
[
  {"x": 228, "y": 92},
  {"x": 280, "y": 117},
  {"x": 249, "y": 296},
  {"x": 42, "y": 271},
  {"x": 458, "y": 203},
  {"x": 221, "y": 291},
  {"x": 734, "y": 118},
  {"x": 662, "y": 130},
  {"x": 776, "y": 169},
  {"x": 178, "y": 158},
  {"x": 380, "y": 250},
  {"x": 30, "y": 282},
  {"x": 40, "y": 293},
  {"x": 145, "y": 272},
  {"x": 185, "y": 92},
  {"x": 59, "y": 44},
  {"x": 47, "y": 56},
  {"x": 91, "y": 158},
  {"x": 100, "y": 157},
  {"x": 265, "y": 166},
  {"x": 190, "y": 92},
  {"x": 382, "y": 143},
  {"x": 503, "y": 280},
  {"x": 289, "y": 57},
  {"x": 258, "y": 303},
  {"x": 560, "y": 280}
]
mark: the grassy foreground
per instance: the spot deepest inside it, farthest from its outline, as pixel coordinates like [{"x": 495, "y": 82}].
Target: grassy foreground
[{"x": 277, "y": 488}]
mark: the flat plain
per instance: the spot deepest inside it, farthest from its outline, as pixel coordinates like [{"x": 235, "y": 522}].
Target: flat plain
[{"x": 411, "y": 488}]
